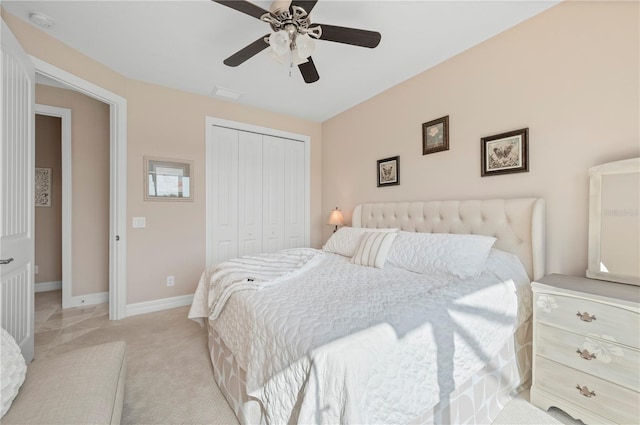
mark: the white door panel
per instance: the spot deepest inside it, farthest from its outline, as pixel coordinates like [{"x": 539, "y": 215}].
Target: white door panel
[
  {"x": 224, "y": 189},
  {"x": 250, "y": 193},
  {"x": 294, "y": 194},
  {"x": 16, "y": 193},
  {"x": 273, "y": 194}
]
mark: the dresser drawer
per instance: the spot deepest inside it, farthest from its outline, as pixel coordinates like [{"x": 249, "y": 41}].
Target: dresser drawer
[
  {"x": 602, "y": 358},
  {"x": 589, "y": 317},
  {"x": 603, "y": 398}
]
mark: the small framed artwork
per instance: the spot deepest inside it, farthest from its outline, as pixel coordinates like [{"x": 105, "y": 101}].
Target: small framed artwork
[
  {"x": 435, "y": 135},
  {"x": 389, "y": 171},
  {"x": 505, "y": 153},
  {"x": 167, "y": 179},
  {"x": 43, "y": 187}
]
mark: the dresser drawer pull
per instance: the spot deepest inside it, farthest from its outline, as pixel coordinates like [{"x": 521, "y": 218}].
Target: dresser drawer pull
[
  {"x": 585, "y": 354},
  {"x": 586, "y": 317},
  {"x": 585, "y": 391}
]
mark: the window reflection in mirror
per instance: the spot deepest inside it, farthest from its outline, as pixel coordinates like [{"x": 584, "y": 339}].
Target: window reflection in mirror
[
  {"x": 614, "y": 222},
  {"x": 168, "y": 179}
]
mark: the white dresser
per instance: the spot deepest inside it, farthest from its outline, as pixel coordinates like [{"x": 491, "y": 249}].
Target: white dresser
[{"x": 586, "y": 345}]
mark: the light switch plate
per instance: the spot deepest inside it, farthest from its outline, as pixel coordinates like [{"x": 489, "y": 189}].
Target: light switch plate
[{"x": 139, "y": 222}]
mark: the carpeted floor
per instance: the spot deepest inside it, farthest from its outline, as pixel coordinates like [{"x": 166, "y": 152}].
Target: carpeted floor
[{"x": 169, "y": 376}]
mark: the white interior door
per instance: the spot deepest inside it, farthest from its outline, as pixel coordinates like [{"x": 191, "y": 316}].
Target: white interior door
[
  {"x": 249, "y": 193},
  {"x": 17, "y": 193},
  {"x": 224, "y": 190},
  {"x": 294, "y": 194},
  {"x": 273, "y": 194}
]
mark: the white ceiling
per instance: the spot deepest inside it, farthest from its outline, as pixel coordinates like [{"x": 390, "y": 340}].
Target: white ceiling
[{"x": 181, "y": 44}]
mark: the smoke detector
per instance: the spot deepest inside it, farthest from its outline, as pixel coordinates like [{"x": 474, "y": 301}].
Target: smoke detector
[{"x": 41, "y": 19}]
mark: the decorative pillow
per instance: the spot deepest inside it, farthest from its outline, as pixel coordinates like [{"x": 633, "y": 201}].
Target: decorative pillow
[
  {"x": 346, "y": 240},
  {"x": 463, "y": 256},
  {"x": 373, "y": 249},
  {"x": 13, "y": 370}
]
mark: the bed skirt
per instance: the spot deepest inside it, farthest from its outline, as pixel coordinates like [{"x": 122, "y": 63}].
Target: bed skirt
[{"x": 479, "y": 400}]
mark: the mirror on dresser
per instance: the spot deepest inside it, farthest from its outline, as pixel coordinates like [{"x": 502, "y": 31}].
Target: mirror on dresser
[{"x": 614, "y": 222}]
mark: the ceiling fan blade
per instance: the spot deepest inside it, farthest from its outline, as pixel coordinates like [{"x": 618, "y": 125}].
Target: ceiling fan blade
[
  {"x": 309, "y": 71},
  {"x": 244, "y": 7},
  {"x": 247, "y": 53},
  {"x": 351, "y": 36},
  {"x": 307, "y": 5}
]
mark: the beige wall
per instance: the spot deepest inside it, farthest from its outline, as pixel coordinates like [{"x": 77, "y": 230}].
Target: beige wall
[
  {"x": 90, "y": 187},
  {"x": 48, "y": 220},
  {"x": 170, "y": 123},
  {"x": 166, "y": 122},
  {"x": 569, "y": 74}
]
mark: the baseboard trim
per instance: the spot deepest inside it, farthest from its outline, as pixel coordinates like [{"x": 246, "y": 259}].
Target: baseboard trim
[
  {"x": 90, "y": 299},
  {"x": 158, "y": 305},
  {"x": 47, "y": 286}
]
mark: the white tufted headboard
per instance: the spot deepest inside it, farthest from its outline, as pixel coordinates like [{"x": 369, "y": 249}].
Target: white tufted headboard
[{"x": 519, "y": 223}]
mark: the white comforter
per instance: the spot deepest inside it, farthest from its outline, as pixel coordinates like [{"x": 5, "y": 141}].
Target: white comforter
[{"x": 342, "y": 343}]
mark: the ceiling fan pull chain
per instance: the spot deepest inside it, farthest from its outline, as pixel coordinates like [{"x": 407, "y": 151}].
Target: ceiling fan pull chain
[{"x": 290, "y": 62}]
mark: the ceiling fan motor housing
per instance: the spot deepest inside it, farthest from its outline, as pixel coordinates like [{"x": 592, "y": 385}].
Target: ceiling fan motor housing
[{"x": 294, "y": 20}]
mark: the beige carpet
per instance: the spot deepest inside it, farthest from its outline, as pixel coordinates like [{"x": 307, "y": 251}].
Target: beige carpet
[{"x": 169, "y": 375}]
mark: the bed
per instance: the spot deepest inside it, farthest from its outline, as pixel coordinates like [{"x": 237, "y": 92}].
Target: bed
[{"x": 336, "y": 342}]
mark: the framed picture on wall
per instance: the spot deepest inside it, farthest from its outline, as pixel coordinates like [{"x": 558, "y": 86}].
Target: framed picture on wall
[
  {"x": 43, "y": 187},
  {"x": 167, "y": 179},
  {"x": 435, "y": 135},
  {"x": 505, "y": 153},
  {"x": 389, "y": 171}
]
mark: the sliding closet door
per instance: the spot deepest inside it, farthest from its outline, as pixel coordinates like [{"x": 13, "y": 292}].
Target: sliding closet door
[
  {"x": 224, "y": 190},
  {"x": 273, "y": 189},
  {"x": 294, "y": 194},
  {"x": 249, "y": 193}
]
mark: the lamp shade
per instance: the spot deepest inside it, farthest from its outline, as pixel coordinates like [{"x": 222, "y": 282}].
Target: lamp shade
[{"x": 336, "y": 218}]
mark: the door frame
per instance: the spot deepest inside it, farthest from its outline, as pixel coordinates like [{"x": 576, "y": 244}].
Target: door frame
[
  {"x": 117, "y": 180},
  {"x": 236, "y": 125},
  {"x": 65, "y": 138}
]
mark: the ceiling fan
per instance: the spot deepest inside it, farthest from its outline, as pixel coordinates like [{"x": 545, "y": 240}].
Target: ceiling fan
[{"x": 293, "y": 34}]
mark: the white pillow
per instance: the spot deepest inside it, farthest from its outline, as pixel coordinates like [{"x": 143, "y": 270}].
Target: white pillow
[
  {"x": 13, "y": 370},
  {"x": 346, "y": 240},
  {"x": 373, "y": 249},
  {"x": 463, "y": 256}
]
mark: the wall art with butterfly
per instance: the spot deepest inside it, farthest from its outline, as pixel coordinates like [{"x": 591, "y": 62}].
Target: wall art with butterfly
[
  {"x": 389, "y": 171},
  {"x": 505, "y": 153}
]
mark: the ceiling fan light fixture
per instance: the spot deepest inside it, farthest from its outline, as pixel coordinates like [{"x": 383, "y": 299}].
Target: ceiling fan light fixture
[
  {"x": 279, "y": 42},
  {"x": 297, "y": 59},
  {"x": 305, "y": 45},
  {"x": 278, "y": 58}
]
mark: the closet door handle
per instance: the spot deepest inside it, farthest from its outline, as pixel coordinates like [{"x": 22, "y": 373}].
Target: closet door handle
[{"x": 7, "y": 261}]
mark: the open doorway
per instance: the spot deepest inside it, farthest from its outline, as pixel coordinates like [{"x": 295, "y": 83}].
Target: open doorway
[
  {"x": 72, "y": 195},
  {"x": 116, "y": 158}
]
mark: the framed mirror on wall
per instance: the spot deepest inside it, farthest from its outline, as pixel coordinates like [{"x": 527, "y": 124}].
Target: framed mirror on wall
[
  {"x": 167, "y": 179},
  {"x": 614, "y": 222}
]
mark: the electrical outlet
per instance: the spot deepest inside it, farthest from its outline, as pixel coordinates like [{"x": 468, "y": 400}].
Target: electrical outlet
[
  {"x": 170, "y": 281},
  {"x": 36, "y": 269}
]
